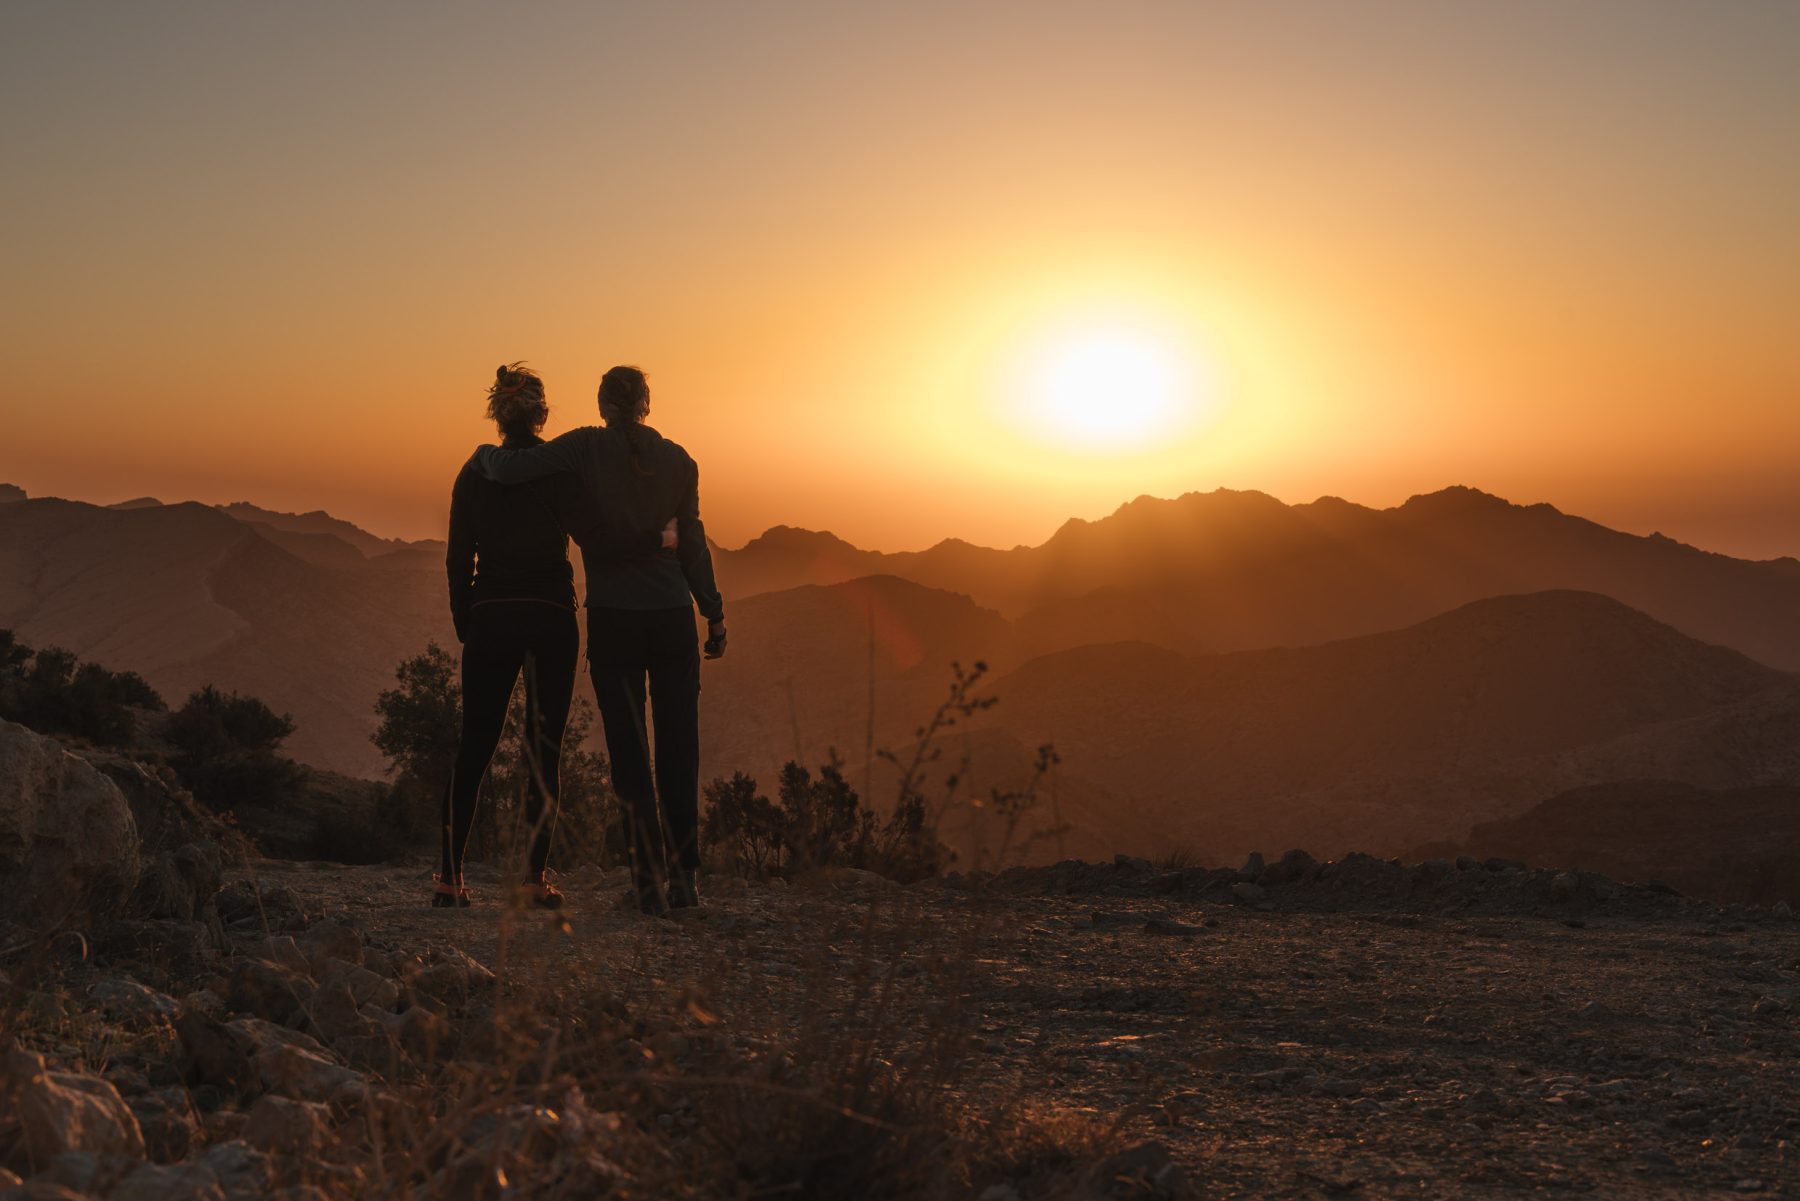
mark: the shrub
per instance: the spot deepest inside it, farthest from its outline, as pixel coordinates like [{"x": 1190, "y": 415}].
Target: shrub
[
  {"x": 53, "y": 691},
  {"x": 225, "y": 748},
  {"x": 743, "y": 827},
  {"x": 823, "y": 819},
  {"x": 421, "y": 721}
]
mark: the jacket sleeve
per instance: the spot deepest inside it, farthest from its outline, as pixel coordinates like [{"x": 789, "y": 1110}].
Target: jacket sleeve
[
  {"x": 459, "y": 556},
  {"x": 695, "y": 555},
  {"x": 522, "y": 464}
]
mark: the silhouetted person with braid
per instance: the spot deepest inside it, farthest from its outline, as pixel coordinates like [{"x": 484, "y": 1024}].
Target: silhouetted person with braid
[
  {"x": 642, "y": 640},
  {"x": 512, "y": 597}
]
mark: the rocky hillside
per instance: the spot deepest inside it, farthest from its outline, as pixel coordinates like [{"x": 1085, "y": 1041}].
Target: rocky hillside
[
  {"x": 1395, "y": 739},
  {"x": 1729, "y": 844},
  {"x": 187, "y": 595}
]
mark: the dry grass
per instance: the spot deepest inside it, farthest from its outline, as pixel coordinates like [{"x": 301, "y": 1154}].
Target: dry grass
[{"x": 856, "y": 1077}]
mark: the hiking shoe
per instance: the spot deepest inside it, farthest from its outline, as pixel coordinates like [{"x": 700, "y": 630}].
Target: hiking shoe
[
  {"x": 541, "y": 894},
  {"x": 449, "y": 895}
]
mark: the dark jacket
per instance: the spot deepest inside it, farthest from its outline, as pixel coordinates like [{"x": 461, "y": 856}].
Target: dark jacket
[
  {"x": 513, "y": 543},
  {"x": 619, "y": 499}
]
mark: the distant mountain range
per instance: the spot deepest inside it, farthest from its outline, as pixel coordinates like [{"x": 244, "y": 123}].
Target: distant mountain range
[
  {"x": 1225, "y": 571},
  {"x": 1219, "y": 671},
  {"x": 188, "y": 595}
]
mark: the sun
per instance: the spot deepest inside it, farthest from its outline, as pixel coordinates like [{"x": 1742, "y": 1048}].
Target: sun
[{"x": 1105, "y": 389}]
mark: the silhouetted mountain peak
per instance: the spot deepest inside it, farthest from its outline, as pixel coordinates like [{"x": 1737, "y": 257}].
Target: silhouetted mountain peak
[
  {"x": 10, "y": 493},
  {"x": 1460, "y": 498},
  {"x": 790, "y": 539},
  {"x": 317, "y": 521}
]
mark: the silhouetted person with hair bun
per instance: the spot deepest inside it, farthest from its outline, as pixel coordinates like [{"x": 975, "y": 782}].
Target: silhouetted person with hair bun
[
  {"x": 512, "y": 598},
  {"x": 642, "y": 641}
]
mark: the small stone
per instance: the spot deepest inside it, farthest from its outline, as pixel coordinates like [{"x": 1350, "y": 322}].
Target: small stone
[
  {"x": 280, "y": 1125},
  {"x": 67, "y": 1111},
  {"x": 445, "y": 984},
  {"x": 1482, "y": 1100},
  {"x": 282, "y": 949},
  {"x": 1249, "y": 893},
  {"x": 369, "y": 988},
  {"x": 166, "y": 1119},
  {"x": 1134, "y": 863},
  {"x": 1497, "y": 864},
  {"x": 334, "y": 1014},
  {"x": 211, "y": 1056},
  {"x": 269, "y": 991},
  {"x": 129, "y": 1001},
  {"x": 1565, "y": 886},
  {"x": 242, "y": 1170},
  {"x": 329, "y": 941},
  {"x": 305, "y": 1075},
  {"x": 419, "y": 1032},
  {"x": 1253, "y": 867}
]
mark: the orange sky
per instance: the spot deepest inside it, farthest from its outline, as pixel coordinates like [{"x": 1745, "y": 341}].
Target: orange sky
[{"x": 274, "y": 252}]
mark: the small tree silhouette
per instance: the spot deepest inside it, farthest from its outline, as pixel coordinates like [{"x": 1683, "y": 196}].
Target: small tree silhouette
[
  {"x": 743, "y": 826},
  {"x": 226, "y": 749}
]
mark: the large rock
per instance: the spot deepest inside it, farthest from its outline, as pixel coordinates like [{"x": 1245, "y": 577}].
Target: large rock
[
  {"x": 68, "y": 843},
  {"x": 60, "y": 1112},
  {"x": 180, "y": 844}
]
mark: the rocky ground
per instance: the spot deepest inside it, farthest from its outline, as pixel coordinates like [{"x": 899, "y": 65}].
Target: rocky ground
[{"x": 1295, "y": 1030}]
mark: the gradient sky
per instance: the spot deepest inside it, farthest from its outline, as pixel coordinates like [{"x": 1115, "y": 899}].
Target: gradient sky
[{"x": 273, "y": 252}]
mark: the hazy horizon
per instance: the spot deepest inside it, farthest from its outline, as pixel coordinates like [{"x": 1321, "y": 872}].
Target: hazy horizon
[
  {"x": 916, "y": 271},
  {"x": 952, "y": 536}
]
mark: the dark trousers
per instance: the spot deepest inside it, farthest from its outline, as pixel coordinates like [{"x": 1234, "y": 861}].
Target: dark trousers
[
  {"x": 505, "y": 638},
  {"x": 627, "y": 650}
]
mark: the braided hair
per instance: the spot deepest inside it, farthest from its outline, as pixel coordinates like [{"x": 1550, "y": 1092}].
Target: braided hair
[
  {"x": 624, "y": 403},
  {"x": 516, "y": 401}
]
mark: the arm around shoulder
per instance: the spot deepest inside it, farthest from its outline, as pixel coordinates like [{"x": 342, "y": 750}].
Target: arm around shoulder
[{"x": 522, "y": 464}]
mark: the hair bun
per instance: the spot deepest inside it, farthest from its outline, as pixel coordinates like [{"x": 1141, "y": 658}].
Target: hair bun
[{"x": 500, "y": 373}]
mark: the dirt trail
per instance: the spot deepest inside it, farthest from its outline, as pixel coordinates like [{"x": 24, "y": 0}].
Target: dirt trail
[{"x": 1279, "y": 1054}]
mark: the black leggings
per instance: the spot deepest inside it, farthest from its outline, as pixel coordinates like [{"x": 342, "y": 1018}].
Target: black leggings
[
  {"x": 506, "y": 637},
  {"x": 626, "y": 648}
]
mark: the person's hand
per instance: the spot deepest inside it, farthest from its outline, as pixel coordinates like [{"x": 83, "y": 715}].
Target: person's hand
[
  {"x": 715, "y": 640},
  {"x": 670, "y": 536}
]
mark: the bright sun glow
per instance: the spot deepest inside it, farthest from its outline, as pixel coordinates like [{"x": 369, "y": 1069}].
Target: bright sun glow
[{"x": 1105, "y": 389}]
